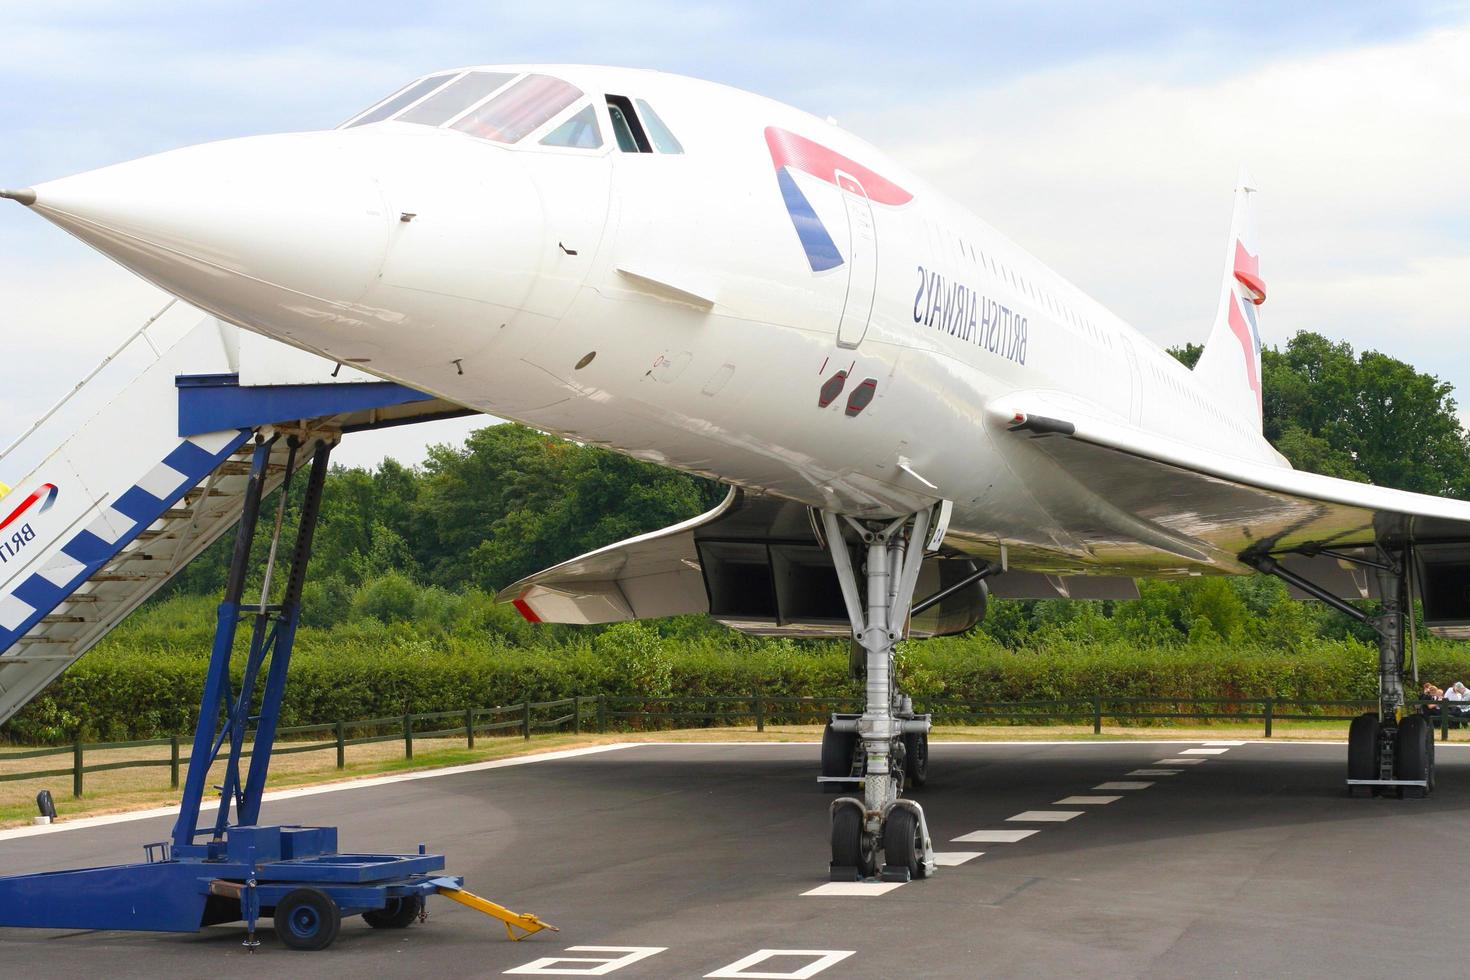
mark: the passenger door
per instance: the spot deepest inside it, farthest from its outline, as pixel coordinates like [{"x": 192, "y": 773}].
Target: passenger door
[{"x": 862, "y": 262}]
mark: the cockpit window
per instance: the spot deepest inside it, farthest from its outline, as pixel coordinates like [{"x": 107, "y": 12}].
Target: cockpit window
[
  {"x": 631, "y": 138},
  {"x": 520, "y": 109},
  {"x": 580, "y": 131},
  {"x": 663, "y": 140},
  {"x": 401, "y": 98},
  {"x": 453, "y": 99}
]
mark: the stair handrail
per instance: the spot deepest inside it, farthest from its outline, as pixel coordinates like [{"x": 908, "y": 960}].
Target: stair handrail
[{"x": 140, "y": 332}]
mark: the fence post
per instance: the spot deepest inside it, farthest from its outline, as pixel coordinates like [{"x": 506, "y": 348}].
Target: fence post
[
  {"x": 469, "y": 727},
  {"x": 526, "y": 720},
  {"x": 341, "y": 745},
  {"x": 76, "y": 767},
  {"x": 1270, "y": 709},
  {"x": 173, "y": 762},
  {"x": 1097, "y": 716},
  {"x": 1444, "y": 721},
  {"x": 408, "y": 736},
  {"x": 577, "y": 715},
  {"x": 602, "y": 714},
  {"x": 760, "y": 713}
]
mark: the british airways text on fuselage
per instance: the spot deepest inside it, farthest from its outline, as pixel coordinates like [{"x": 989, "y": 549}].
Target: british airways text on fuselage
[{"x": 956, "y": 309}]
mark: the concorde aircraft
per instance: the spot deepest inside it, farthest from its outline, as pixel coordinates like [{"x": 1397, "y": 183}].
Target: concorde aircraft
[{"x": 911, "y": 411}]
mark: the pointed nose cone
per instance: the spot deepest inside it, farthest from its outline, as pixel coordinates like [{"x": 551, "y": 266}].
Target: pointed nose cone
[{"x": 263, "y": 231}]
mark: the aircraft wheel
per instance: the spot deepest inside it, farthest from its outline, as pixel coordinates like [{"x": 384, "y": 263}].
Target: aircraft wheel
[
  {"x": 901, "y": 841},
  {"x": 1411, "y": 753},
  {"x": 837, "y": 750},
  {"x": 399, "y": 913},
  {"x": 307, "y": 919},
  {"x": 1363, "y": 747},
  {"x": 916, "y": 758},
  {"x": 851, "y": 847}
]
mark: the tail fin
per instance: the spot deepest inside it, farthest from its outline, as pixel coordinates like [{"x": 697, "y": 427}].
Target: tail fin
[{"x": 1230, "y": 365}]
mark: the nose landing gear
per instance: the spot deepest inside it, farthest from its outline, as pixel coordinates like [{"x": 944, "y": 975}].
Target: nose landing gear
[{"x": 887, "y": 745}]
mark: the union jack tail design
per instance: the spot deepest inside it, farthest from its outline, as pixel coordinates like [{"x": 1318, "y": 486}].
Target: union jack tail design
[{"x": 1231, "y": 362}]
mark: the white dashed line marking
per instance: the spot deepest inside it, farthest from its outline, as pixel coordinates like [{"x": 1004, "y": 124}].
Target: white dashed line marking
[
  {"x": 1087, "y": 800},
  {"x": 1044, "y": 816},
  {"x": 1153, "y": 772},
  {"x": 1204, "y": 751},
  {"x": 853, "y": 889},
  {"x": 1124, "y": 784},
  {"x": 1180, "y": 762},
  {"x": 953, "y": 859},
  {"x": 994, "y": 836}
]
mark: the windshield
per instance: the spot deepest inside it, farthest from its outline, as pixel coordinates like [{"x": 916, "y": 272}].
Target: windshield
[
  {"x": 520, "y": 109},
  {"x": 492, "y": 105}
]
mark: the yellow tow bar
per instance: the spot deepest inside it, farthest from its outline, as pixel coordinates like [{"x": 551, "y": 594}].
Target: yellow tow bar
[{"x": 513, "y": 920}]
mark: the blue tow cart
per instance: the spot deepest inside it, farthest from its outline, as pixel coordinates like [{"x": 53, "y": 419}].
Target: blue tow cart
[{"x": 242, "y": 871}]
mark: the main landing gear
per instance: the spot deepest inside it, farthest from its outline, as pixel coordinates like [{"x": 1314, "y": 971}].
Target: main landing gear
[
  {"x": 888, "y": 744},
  {"x": 1389, "y": 751}
]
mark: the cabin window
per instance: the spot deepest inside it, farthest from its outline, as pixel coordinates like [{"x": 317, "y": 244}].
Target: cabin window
[
  {"x": 520, "y": 109},
  {"x": 625, "y": 124},
  {"x": 403, "y": 97},
  {"x": 455, "y": 98},
  {"x": 663, "y": 140},
  {"x": 579, "y": 131}
]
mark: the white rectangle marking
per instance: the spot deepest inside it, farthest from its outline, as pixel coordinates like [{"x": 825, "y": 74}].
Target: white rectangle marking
[
  {"x": 1180, "y": 762},
  {"x": 994, "y": 836},
  {"x": 821, "y": 959},
  {"x": 1044, "y": 816},
  {"x": 1204, "y": 751},
  {"x": 1122, "y": 784},
  {"x": 855, "y": 888},
  {"x": 60, "y": 571},
  {"x": 1153, "y": 772},
  {"x": 953, "y": 859},
  {"x": 163, "y": 481},
  {"x": 1087, "y": 800},
  {"x": 587, "y": 966},
  {"x": 13, "y": 612}
]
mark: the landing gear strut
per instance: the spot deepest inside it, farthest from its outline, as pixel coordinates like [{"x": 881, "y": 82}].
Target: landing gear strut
[
  {"x": 1389, "y": 751},
  {"x": 887, "y": 744}
]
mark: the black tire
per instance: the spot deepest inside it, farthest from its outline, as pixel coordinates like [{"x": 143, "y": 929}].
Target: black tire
[
  {"x": 837, "y": 750},
  {"x": 901, "y": 840},
  {"x": 307, "y": 919},
  {"x": 399, "y": 913},
  {"x": 1363, "y": 747},
  {"x": 916, "y": 758},
  {"x": 1411, "y": 753},
  {"x": 849, "y": 848}
]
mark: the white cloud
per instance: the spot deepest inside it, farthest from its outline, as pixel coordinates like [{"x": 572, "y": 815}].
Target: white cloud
[{"x": 1119, "y": 175}]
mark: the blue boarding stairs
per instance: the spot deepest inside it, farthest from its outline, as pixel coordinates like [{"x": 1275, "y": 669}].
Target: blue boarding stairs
[{"x": 233, "y": 868}]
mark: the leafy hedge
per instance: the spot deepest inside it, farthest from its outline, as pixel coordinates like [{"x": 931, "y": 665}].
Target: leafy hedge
[{"x": 141, "y": 686}]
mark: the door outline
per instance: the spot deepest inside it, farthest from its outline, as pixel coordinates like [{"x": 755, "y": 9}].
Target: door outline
[{"x": 862, "y": 262}]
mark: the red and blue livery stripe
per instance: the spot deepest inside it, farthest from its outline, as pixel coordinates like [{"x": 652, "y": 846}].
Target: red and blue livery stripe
[
  {"x": 790, "y": 151},
  {"x": 46, "y": 496}
]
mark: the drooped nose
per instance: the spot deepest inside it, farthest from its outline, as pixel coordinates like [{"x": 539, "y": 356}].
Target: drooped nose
[{"x": 272, "y": 232}]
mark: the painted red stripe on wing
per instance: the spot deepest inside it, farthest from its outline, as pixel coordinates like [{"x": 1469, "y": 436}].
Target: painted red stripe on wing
[
  {"x": 1248, "y": 273},
  {"x": 524, "y": 608},
  {"x": 1242, "y": 332},
  {"x": 27, "y": 503},
  {"x": 791, "y": 150}
]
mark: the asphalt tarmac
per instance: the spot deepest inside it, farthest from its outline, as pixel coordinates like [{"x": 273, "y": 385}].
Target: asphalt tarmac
[{"x": 696, "y": 859}]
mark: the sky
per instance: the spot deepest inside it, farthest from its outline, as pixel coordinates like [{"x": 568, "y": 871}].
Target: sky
[{"x": 1105, "y": 138}]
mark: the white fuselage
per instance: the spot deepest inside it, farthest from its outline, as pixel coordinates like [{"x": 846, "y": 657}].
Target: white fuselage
[{"x": 665, "y": 304}]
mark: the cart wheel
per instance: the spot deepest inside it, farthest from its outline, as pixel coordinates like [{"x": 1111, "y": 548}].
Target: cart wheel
[
  {"x": 399, "y": 913},
  {"x": 307, "y": 919}
]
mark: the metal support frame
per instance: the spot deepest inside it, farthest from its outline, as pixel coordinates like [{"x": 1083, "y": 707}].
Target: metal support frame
[{"x": 879, "y": 618}]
